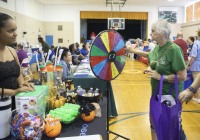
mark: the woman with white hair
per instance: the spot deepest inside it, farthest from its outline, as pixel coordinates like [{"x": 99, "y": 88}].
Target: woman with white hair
[{"x": 166, "y": 59}]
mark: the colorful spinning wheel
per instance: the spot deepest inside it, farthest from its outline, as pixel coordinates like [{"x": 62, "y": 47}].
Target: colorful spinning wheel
[{"x": 107, "y": 55}]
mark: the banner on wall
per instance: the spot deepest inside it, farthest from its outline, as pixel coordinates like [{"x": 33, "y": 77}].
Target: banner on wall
[{"x": 170, "y": 14}]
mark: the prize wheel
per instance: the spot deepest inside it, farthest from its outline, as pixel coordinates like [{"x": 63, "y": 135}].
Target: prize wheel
[{"x": 107, "y": 55}]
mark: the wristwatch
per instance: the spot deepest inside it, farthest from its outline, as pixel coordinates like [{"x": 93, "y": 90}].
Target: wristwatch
[
  {"x": 192, "y": 89},
  {"x": 165, "y": 77}
]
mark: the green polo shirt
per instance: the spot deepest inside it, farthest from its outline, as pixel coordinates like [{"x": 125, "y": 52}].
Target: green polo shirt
[{"x": 166, "y": 60}]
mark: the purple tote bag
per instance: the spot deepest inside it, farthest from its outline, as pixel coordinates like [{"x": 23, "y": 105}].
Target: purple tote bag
[{"x": 164, "y": 119}]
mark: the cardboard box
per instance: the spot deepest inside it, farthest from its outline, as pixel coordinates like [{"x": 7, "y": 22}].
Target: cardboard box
[{"x": 34, "y": 101}]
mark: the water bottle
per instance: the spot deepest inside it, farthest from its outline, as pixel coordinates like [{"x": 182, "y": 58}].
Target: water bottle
[
  {"x": 83, "y": 92},
  {"x": 90, "y": 92},
  {"x": 79, "y": 89},
  {"x": 96, "y": 92}
]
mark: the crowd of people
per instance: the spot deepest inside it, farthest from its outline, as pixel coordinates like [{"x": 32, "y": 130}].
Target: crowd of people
[{"x": 71, "y": 55}]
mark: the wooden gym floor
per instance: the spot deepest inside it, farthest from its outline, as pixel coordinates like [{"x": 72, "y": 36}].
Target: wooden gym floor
[{"x": 132, "y": 94}]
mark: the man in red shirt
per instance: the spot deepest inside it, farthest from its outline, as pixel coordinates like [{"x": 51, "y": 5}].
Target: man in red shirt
[{"x": 183, "y": 45}]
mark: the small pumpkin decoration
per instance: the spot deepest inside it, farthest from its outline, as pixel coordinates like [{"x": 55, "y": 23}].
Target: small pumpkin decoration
[
  {"x": 57, "y": 101},
  {"x": 52, "y": 126},
  {"x": 88, "y": 117},
  {"x": 87, "y": 112}
]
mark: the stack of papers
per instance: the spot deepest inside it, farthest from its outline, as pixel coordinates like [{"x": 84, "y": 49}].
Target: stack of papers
[
  {"x": 89, "y": 137},
  {"x": 85, "y": 61},
  {"x": 83, "y": 70}
]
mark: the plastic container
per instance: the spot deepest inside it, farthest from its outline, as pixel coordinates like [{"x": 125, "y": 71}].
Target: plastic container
[
  {"x": 5, "y": 110},
  {"x": 26, "y": 125}
]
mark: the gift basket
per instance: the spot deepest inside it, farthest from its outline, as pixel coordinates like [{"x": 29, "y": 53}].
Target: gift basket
[{"x": 26, "y": 125}]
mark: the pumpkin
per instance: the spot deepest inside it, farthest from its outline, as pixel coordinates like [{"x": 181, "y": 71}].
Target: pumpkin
[
  {"x": 88, "y": 117},
  {"x": 57, "y": 101},
  {"x": 52, "y": 127}
]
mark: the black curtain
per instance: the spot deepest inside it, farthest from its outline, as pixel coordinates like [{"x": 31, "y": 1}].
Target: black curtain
[{"x": 132, "y": 28}]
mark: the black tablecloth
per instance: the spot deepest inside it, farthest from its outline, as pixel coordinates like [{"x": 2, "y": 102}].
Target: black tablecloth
[{"x": 79, "y": 127}]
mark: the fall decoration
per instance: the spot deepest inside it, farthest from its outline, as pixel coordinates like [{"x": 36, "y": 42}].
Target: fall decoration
[
  {"x": 67, "y": 113},
  {"x": 87, "y": 112},
  {"x": 88, "y": 118},
  {"x": 71, "y": 97},
  {"x": 97, "y": 109},
  {"x": 52, "y": 126},
  {"x": 57, "y": 101},
  {"x": 69, "y": 84}
]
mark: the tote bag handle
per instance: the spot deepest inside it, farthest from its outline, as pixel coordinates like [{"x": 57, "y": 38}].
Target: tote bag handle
[
  {"x": 176, "y": 86},
  {"x": 161, "y": 87}
]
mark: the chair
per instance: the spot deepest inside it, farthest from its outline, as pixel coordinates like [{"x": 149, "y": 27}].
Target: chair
[
  {"x": 26, "y": 70},
  {"x": 25, "y": 61},
  {"x": 30, "y": 55}
]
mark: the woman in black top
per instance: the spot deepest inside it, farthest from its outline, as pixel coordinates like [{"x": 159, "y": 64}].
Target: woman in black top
[{"x": 11, "y": 79}]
